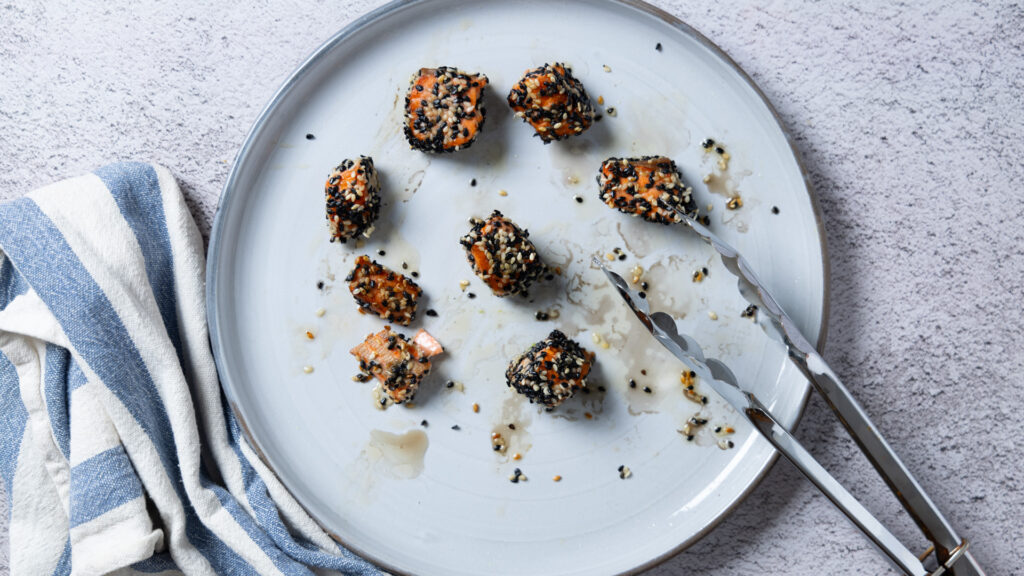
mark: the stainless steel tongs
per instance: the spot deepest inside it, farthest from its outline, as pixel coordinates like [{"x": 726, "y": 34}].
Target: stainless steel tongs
[{"x": 950, "y": 551}]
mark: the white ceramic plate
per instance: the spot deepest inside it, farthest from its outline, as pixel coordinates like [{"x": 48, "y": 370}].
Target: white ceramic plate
[{"x": 433, "y": 500}]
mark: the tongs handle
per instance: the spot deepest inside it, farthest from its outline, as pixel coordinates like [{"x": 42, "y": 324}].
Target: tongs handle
[{"x": 785, "y": 443}]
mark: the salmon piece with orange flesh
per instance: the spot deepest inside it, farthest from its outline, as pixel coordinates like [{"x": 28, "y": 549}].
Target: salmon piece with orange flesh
[
  {"x": 353, "y": 199},
  {"x": 551, "y": 371},
  {"x": 384, "y": 292},
  {"x": 553, "y": 101},
  {"x": 444, "y": 109},
  {"x": 502, "y": 255},
  {"x": 648, "y": 187},
  {"x": 398, "y": 363}
]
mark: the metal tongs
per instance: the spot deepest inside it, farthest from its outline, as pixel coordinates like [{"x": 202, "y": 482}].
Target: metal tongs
[{"x": 950, "y": 551}]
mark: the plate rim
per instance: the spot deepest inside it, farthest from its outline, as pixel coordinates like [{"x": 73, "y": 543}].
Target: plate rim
[{"x": 304, "y": 68}]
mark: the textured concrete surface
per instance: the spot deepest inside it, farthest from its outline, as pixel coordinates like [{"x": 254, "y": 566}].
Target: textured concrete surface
[{"x": 910, "y": 118}]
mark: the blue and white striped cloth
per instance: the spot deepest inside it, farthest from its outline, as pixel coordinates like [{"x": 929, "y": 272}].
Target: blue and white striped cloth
[{"x": 116, "y": 447}]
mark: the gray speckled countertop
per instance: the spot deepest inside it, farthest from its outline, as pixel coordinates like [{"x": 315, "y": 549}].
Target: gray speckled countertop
[{"x": 910, "y": 118}]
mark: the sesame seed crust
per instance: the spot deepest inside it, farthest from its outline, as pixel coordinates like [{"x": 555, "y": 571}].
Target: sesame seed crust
[
  {"x": 502, "y": 255},
  {"x": 553, "y": 101},
  {"x": 648, "y": 187},
  {"x": 551, "y": 371},
  {"x": 353, "y": 199},
  {"x": 384, "y": 292},
  {"x": 444, "y": 109},
  {"x": 397, "y": 362}
]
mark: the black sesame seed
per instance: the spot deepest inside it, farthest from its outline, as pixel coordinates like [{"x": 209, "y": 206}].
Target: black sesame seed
[
  {"x": 310, "y": 137},
  {"x": 622, "y": 256},
  {"x": 432, "y": 313},
  {"x": 320, "y": 285},
  {"x": 450, "y": 384},
  {"x": 644, "y": 285},
  {"x": 472, "y": 182},
  {"x": 644, "y": 372},
  {"x": 511, "y": 426},
  {"x": 642, "y": 294},
  {"x": 632, "y": 383},
  {"x": 622, "y": 467},
  {"x": 579, "y": 199},
  {"x": 415, "y": 274},
  {"x": 456, "y": 427},
  {"x": 775, "y": 209},
  {"x": 471, "y": 295},
  {"x": 705, "y": 271},
  {"x": 647, "y": 389},
  {"x": 601, "y": 389},
  {"x": 405, "y": 265},
  {"x": 689, "y": 437},
  {"x": 731, "y": 444},
  {"x": 720, "y": 150},
  {"x": 424, "y": 423},
  {"x": 658, "y": 46},
  {"x": 598, "y": 118},
  {"x": 707, "y": 143},
  {"x": 381, "y": 253}
]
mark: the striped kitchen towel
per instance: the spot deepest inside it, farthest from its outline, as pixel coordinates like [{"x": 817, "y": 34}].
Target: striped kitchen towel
[{"x": 117, "y": 450}]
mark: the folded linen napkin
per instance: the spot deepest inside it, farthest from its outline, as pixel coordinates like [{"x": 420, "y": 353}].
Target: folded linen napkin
[{"x": 116, "y": 447}]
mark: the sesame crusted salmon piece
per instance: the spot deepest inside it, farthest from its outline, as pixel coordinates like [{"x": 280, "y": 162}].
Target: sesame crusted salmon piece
[
  {"x": 398, "y": 363},
  {"x": 444, "y": 109},
  {"x": 648, "y": 187},
  {"x": 553, "y": 101},
  {"x": 384, "y": 292},
  {"x": 353, "y": 199},
  {"x": 502, "y": 255},
  {"x": 551, "y": 371}
]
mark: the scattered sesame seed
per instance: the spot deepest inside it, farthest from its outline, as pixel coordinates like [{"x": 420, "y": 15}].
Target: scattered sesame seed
[
  {"x": 415, "y": 274},
  {"x": 381, "y": 253},
  {"x": 644, "y": 372},
  {"x": 405, "y": 265},
  {"x": 463, "y": 284},
  {"x": 707, "y": 143},
  {"x": 600, "y": 100},
  {"x": 775, "y": 209},
  {"x": 734, "y": 203},
  {"x": 658, "y": 46},
  {"x": 588, "y": 415},
  {"x": 450, "y": 384},
  {"x": 307, "y": 369},
  {"x": 648, "y": 390},
  {"x": 557, "y": 478},
  {"x": 511, "y": 426},
  {"x": 310, "y": 137},
  {"x": 625, "y": 472},
  {"x": 502, "y": 193},
  {"x": 320, "y": 285},
  {"x": 632, "y": 383},
  {"x": 712, "y": 315},
  {"x": 611, "y": 111},
  {"x": 610, "y": 256},
  {"x": 471, "y": 295},
  {"x": 517, "y": 456},
  {"x": 606, "y": 68},
  {"x": 432, "y": 313},
  {"x": 642, "y": 295},
  {"x": 309, "y": 335},
  {"x": 472, "y": 182},
  {"x": 644, "y": 285},
  {"x": 476, "y": 407},
  {"x": 424, "y": 423},
  {"x": 579, "y": 199},
  {"x": 320, "y": 312}
]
